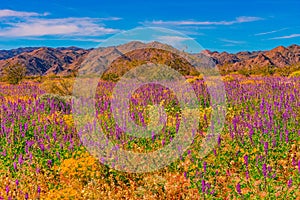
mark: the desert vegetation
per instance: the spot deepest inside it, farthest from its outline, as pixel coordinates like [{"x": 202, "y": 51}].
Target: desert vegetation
[{"x": 256, "y": 157}]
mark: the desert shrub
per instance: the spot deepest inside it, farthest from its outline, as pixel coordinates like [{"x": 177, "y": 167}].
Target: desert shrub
[
  {"x": 13, "y": 74},
  {"x": 228, "y": 78},
  {"x": 54, "y": 101},
  {"x": 61, "y": 86},
  {"x": 295, "y": 74},
  {"x": 245, "y": 72},
  {"x": 195, "y": 78},
  {"x": 110, "y": 77}
]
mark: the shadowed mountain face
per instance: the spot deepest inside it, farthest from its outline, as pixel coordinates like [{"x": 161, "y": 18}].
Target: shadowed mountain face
[
  {"x": 43, "y": 61},
  {"x": 63, "y": 61}
]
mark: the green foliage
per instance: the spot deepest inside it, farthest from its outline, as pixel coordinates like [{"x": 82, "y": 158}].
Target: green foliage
[
  {"x": 61, "y": 103},
  {"x": 62, "y": 86},
  {"x": 110, "y": 77},
  {"x": 295, "y": 74},
  {"x": 13, "y": 74},
  {"x": 245, "y": 72}
]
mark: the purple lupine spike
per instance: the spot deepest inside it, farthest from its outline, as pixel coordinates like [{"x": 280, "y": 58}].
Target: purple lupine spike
[
  {"x": 290, "y": 182},
  {"x": 4, "y": 153},
  {"x": 49, "y": 163},
  {"x": 247, "y": 174},
  {"x": 163, "y": 142},
  {"x": 17, "y": 182},
  {"x": 203, "y": 185},
  {"x": 42, "y": 147},
  {"x": 264, "y": 170},
  {"x": 153, "y": 136},
  {"x": 269, "y": 169},
  {"x": 287, "y": 136},
  {"x": 246, "y": 160},
  {"x": 204, "y": 167},
  {"x": 20, "y": 160},
  {"x": 39, "y": 190},
  {"x": 215, "y": 152},
  {"x": 294, "y": 161},
  {"x": 30, "y": 157},
  {"x": 219, "y": 140},
  {"x": 299, "y": 166},
  {"x": 238, "y": 188},
  {"x": 189, "y": 152},
  {"x": 7, "y": 189},
  {"x": 15, "y": 166},
  {"x": 274, "y": 143},
  {"x": 26, "y": 196},
  {"x": 266, "y": 146}
]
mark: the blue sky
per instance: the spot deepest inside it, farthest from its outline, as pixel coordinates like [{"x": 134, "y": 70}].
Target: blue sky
[{"x": 217, "y": 25}]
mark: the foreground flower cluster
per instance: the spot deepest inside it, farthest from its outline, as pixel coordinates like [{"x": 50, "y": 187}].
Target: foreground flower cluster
[{"x": 257, "y": 154}]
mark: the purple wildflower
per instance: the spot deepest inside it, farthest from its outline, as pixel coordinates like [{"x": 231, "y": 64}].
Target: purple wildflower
[
  {"x": 264, "y": 170},
  {"x": 204, "y": 166},
  {"x": 290, "y": 182},
  {"x": 7, "y": 189},
  {"x": 246, "y": 160},
  {"x": 266, "y": 147},
  {"x": 203, "y": 186},
  {"x": 238, "y": 188},
  {"x": 15, "y": 166},
  {"x": 39, "y": 190}
]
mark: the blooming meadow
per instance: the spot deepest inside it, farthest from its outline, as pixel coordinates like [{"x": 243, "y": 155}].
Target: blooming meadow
[{"x": 257, "y": 155}]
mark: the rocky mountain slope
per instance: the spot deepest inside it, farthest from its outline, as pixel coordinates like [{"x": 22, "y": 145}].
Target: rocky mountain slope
[
  {"x": 278, "y": 57},
  {"x": 62, "y": 61}
]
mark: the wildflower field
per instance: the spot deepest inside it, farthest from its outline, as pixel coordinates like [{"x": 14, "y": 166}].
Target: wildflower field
[{"x": 257, "y": 155}]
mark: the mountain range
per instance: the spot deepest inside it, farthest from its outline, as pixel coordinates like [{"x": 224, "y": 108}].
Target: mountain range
[{"x": 63, "y": 61}]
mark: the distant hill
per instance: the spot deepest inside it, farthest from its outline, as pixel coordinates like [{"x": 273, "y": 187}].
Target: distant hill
[
  {"x": 64, "y": 60},
  {"x": 278, "y": 57}
]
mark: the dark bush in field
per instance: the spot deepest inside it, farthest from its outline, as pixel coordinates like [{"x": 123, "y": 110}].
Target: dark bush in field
[{"x": 56, "y": 102}]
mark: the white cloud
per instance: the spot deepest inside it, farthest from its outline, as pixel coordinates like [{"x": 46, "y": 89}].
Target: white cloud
[
  {"x": 270, "y": 32},
  {"x": 286, "y": 37},
  {"x": 173, "y": 39},
  {"x": 242, "y": 19},
  {"x": 232, "y": 42},
  {"x": 13, "y": 13},
  {"x": 32, "y": 25}
]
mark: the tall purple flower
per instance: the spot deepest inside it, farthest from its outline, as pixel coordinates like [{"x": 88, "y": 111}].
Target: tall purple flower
[
  {"x": 246, "y": 160},
  {"x": 264, "y": 170},
  {"x": 7, "y": 189},
  {"x": 238, "y": 188},
  {"x": 290, "y": 182},
  {"x": 247, "y": 174},
  {"x": 204, "y": 166},
  {"x": 20, "y": 160},
  {"x": 39, "y": 190},
  {"x": 15, "y": 166},
  {"x": 266, "y": 147},
  {"x": 203, "y": 186},
  {"x": 49, "y": 163}
]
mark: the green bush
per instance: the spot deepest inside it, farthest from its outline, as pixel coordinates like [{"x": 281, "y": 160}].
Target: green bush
[
  {"x": 13, "y": 74},
  {"x": 61, "y": 103},
  {"x": 295, "y": 74}
]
